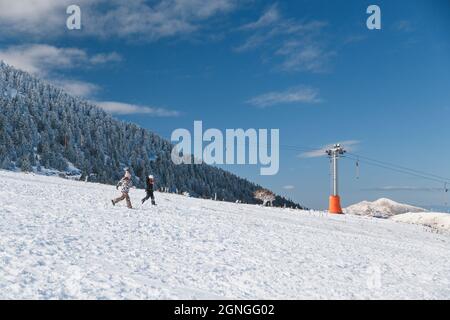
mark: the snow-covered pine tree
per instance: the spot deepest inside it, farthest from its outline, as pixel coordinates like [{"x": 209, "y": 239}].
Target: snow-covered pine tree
[{"x": 24, "y": 164}]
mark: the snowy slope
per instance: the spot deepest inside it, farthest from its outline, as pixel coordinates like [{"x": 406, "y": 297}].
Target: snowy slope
[
  {"x": 381, "y": 208},
  {"x": 62, "y": 239},
  {"x": 436, "y": 220}
]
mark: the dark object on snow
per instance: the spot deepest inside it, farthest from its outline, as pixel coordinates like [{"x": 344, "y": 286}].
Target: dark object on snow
[{"x": 149, "y": 190}]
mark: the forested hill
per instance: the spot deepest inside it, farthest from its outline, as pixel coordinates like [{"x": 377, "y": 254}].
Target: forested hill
[{"x": 42, "y": 127}]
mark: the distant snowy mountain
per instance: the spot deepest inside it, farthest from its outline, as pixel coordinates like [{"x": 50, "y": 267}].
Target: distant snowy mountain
[
  {"x": 45, "y": 130},
  {"x": 381, "y": 208}
]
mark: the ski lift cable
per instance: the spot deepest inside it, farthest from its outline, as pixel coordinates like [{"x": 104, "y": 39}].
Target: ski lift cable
[
  {"x": 400, "y": 167},
  {"x": 397, "y": 170}
]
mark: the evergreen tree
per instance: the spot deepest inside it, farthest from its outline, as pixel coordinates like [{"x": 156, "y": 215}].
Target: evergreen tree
[{"x": 25, "y": 164}]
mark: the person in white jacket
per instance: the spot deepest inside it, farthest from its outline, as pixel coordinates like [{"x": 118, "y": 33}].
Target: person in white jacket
[{"x": 125, "y": 183}]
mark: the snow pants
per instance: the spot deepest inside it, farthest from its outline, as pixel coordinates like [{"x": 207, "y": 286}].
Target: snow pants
[
  {"x": 148, "y": 196},
  {"x": 126, "y": 197}
]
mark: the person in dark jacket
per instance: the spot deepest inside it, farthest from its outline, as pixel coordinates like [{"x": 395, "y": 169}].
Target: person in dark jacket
[{"x": 149, "y": 190}]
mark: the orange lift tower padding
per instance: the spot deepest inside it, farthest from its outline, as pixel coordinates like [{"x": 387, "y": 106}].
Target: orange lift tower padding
[{"x": 335, "y": 200}]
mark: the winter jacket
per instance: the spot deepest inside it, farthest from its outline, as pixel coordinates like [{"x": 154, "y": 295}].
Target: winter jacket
[
  {"x": 149, "y": 186},
  {"x": 126, "y": 185}
]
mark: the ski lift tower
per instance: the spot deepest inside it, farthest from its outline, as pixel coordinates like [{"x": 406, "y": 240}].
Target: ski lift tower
[{"x": 335, "y": 202}]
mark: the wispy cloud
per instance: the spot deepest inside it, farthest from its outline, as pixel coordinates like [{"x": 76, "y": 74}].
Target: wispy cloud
[
  {"x": 354, "y": 38},
  {"x": 304, "y": 56},
  {"x": 149, "y": 20},
  {"x": 31, "y": 17},
  {"x": 103, "y": 58},
  {"x": 299, "y": 94},
  {"x": 288, "y": 187},
  {"x": 43, "y": 59},
  {"x": 50, "y": 62},
  {"x": 77, "y": 88},
  {"x": 404, "y": 26},
  {"x": 349, "y": 145},
  {"x": 40, "y": 58},
  {"x": 270, "y": 16},
  {"x": 294, "y": 45},
  {"x": 126, "y": 108}
]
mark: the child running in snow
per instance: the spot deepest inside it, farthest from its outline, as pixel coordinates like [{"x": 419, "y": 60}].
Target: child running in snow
[
  {"x": 149, "y": 190},
  {"x": 126, "y": 184}
]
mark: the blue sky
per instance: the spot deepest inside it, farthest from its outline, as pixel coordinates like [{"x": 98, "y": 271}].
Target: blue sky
[{"x": 310, "y": 68}]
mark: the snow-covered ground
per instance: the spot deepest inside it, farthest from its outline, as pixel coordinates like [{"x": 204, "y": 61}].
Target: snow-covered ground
[
  {"x": 381, "y": 208},
  {"x": 435, "y": 220},
  {"x": 62, "y": 239}
]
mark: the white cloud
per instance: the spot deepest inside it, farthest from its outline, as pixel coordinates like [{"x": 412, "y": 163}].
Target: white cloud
[
  {"x": 126, "y": 108},
  {"x": 303, "y": 56},
  {"x": 354, "y": 38},
  {"x": 77, "y": 88},
  {"x": 300, "y": 94},
  {"x": 102, "y": 58},
  {"x": 48, "y": 62},
  {"x": 404, "y": 26},
  {"x": 150, "y": 20},
  {"x": 349, "y": 145},
  {"x": 32, "y": 16},
  {"x": 294, "y": 46},
  {"x": 270, "y": 16},
  {"x": 252, "y": 42},
  {"x": 161, "y": 19},
  {"x": 42, "y": 59}
]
